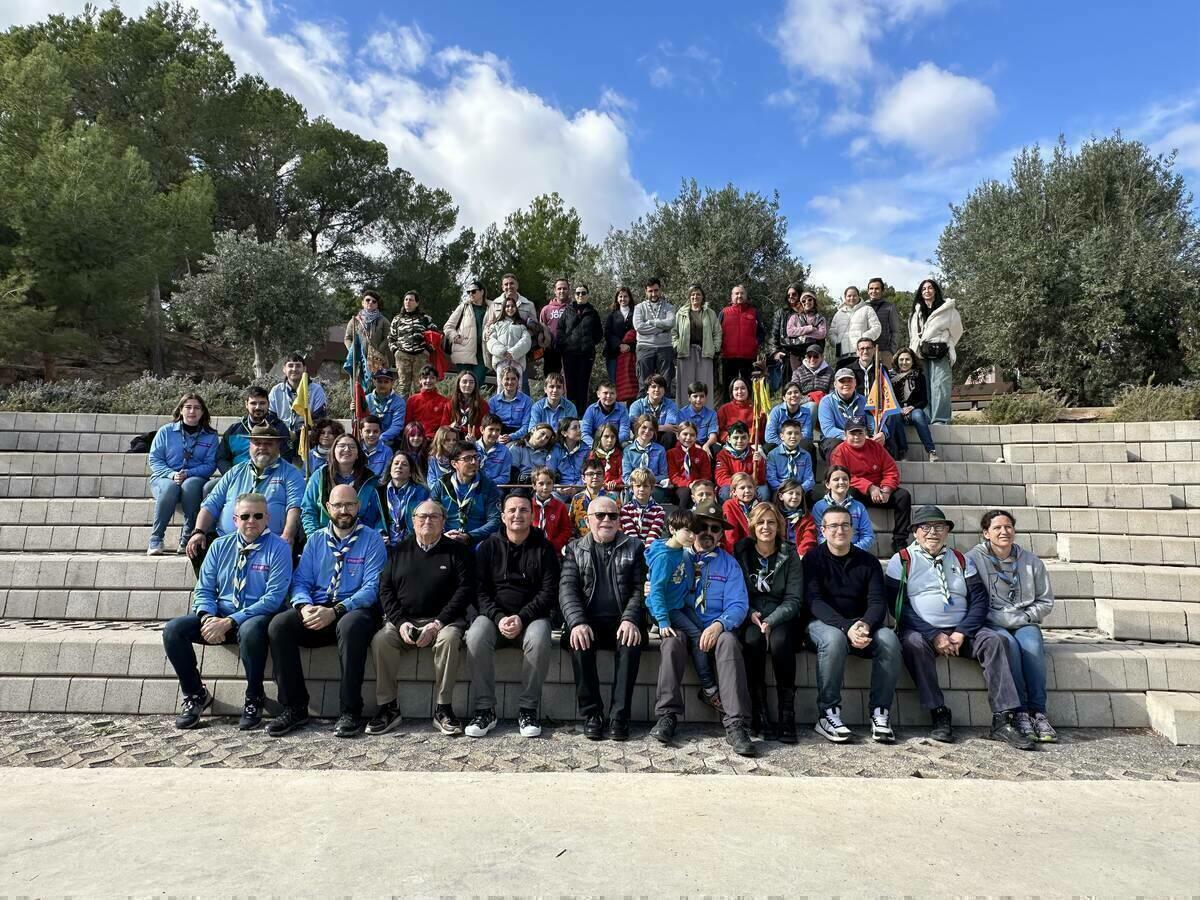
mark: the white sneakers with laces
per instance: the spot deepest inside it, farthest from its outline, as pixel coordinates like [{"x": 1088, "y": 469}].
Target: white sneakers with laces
[
  {"x": 881, "y": 725},
  {"x": 831, "y": 727}
]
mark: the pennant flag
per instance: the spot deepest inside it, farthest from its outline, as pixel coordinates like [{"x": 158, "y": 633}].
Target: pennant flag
[
  {"x": 760, "y": 400},
  {"x": 300, "y": 408},
  {"x": 360, "y": 378},
  {"x": 881, "y": 400}
]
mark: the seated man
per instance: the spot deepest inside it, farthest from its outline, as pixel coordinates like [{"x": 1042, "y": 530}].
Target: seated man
[
  {"x": 835, "y": 408},
  {"x": 235, "y": 442},
  {"x": 471, "y": 502},
  {"x": 943, "y": 610},
  {"x": 387, "y": 405},
  {"x": 243, "y": 582},
  {"x": 843, "y": 590},
  {"x": 874, "y": 477},
  {"x": 723, "y": 603},
  {"x": 425, "y": 590},
  {"x": 864, "y": 370},
  {"x": 601, "y": 596},
  {"x": 517, "y": 577},
  {"x": 263, "y": 473},
  {"x": 335, "y": 600},
  {"x": 283, "y": 395}
]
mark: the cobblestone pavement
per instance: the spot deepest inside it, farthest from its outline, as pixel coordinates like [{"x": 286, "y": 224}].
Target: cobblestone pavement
[{"x": 59, "y": 741}]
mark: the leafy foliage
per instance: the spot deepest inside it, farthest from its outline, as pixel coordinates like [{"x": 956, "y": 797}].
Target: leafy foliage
[
  {"x": 1158, "y": 403},
  {"x": 1023, "y": 409},
  {"x": 537, "y": 245}
]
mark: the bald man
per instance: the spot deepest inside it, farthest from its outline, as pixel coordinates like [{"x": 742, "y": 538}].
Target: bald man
[{"x": 334, "y": 601}]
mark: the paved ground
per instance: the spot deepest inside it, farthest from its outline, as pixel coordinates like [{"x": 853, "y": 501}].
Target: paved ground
[
  {"x": 223, "y": 833},
  {"x": 90, "y": 742}
]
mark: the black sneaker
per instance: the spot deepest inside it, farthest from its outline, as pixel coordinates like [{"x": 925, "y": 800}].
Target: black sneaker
[
  {"x": 528, "y": 724},
  {"x": 737, "y": 736},
  {"x": 593, "y": 727},
  {"x": 1003, "y": 729},
  {"x": 618, "y": 729},
  {"x": 252, "y": 711},
  {"x": 713, "y": 700},
  {"x": 482, "y": 724},
  {"x": 193, "y": 706},
  {"x": 348, "y": 726},
  {"x": 387, "y": 719},
  {"x": 943, "y": 728},
  {"x": 664, "y": 730},
  {"x": 445, "y": 721},
  {"x": 288, "y": 720}
]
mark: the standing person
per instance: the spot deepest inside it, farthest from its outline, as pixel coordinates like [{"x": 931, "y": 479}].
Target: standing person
[
  {"x": 407, "y": 341},
  {"x": 617, "y": 324},
  {"x": 372, "y": 326},
  {"x": 775, "y": 583},
  {"x": 742, "y": 334},
  {"x": 912, "y": 393},
  {"x": 600, "y": 595},
  {"x": 509, "y": 290},
  {"x": 580, "y": 331},
  {"x": 517, "y": 577},
  {"x": 1020, "y": 596},
  {"x": 874, "y": 477},
  {"x": 182, "y": 457},
  {"x": 425, "y": 590},
  {"x": 283, "y": 395},
  {"x": 335, "y": 600},
  {"x": 654, "y": 322},
  {"x": 429, "y": 407},
  {"x": 934, "y": 332},
  {"x": 697, "y": 341},
  {"x": 890, "y": 333},
  {"x": 797, "y": 327},
  {"x": 943, "y": 609},
  {"x": 844, "y": 593},
  {"x": 508, "y": 339},
  {"x": 464, "y": 330},
  {"x": 853, "y": 320},
  {"x": 549, "y": 317}
]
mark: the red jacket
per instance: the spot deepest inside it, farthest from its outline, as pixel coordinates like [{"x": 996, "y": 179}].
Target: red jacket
[
  {"x": 700, "y": 467},
  {"x": 627, "y": 379},
  {"x": 740, "y": 330},
  {"x": 735, "y": 411},
  {"x": 870, "y": 465},
  {"x": 805, "y": 534},
  {"x": 737, "y": 526},
  {"x": 429, "y": 408},
  {"x": 555, "y": 521},
  {"x": 728, "y": 466},
  {"x": 612, "y": 469}
]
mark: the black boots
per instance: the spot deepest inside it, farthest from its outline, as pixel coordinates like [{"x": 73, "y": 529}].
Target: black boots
[
  {"x": 787, "y": 715},
  {"x": 761, "y": 723}
]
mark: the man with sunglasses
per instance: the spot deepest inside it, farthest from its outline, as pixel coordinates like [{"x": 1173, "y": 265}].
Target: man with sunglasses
[
  {"x": 942, "y": 608},
  {"x": 243, "y": 582},
  {"x": 335, "y": 600},
  {"x": 471, "y": 501},
  {"x": 464, "y": 331},
  {"x": 722, "y": 601},
  {"x": 580, "y": 332}
]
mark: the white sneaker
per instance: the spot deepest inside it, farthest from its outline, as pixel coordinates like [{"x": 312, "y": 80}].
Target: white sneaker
[
  {"x": 933, "y": 457},
  {"x": 831, "y": 727},
  {"x": 527, "y": 722},
  {"x": 483, "y": 722},
  {"x": 881, "y": 726}
]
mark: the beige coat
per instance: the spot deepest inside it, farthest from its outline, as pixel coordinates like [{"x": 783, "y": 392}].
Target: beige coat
[
  {"x": 379, "y": 354},
  {"x": 460, "y": 329}
]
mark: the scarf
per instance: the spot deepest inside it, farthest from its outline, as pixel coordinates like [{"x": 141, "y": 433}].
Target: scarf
[
  {"x": 702, "y": 560},
  {"x": 398, "y": 499},
  {"x": 739, "y": 455},
  {"x": 369, "y": 317},
  {"x": 463, "y": 502},
  {"x": 603, "y": 455},
  {"x": 378, "y": 406},
  {"x": 846, "y": 408},
  {"x": 261, "y": 478},
  {"x": 938, "y": 563},
  {"x": 640, "y": 453},
  {"x": 687, "y": 464},
  {"x": 1007, "y": 572},
  {"x": 339, "y": 548},
  {"x": 245, "y": 551},
  {"x": 793, "y": 517},
  {"x": 762, "y": 577},
  {"x": 791, "y": 456},
  {"x": 539, "y": 512}
]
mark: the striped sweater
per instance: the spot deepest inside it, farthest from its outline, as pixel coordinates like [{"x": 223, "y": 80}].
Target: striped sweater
[{"x": 645, "y": 523}]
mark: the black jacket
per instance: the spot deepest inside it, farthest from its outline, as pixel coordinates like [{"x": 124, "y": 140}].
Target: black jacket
[
  {"x": 910, "y": 388},
  {"x": 616, "y": 326},
  {"x": 516, "y": 579},
  {"x": 438, "y": 585},
  {"x": 841, "y": 590},
  {"x": 578, "y": 581},
  {"x": 784, "y": 597},
  {"x": 579, "y": 329}
]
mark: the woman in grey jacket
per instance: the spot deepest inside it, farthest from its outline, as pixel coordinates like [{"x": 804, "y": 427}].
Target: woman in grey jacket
[{"x": 1020, "y": 598}]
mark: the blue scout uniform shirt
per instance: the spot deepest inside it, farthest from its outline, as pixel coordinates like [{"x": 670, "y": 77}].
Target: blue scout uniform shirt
[
  {"x": 543, "y": 413},
  {"x": 362, "y": 564},
  {"x": 719, "y": 579},
  {"x": 513, "y": 413},
  {"x": 174, "y": 450},
  {"x": 780, "y": 414},
  {"x": 282, "y": 484},
  {"x": 705, "y": 421},
  {"x": 783, "y": 464},
  {"x": 480, "y": 500},
  {"x": 390, "y": 410},
  {"x": 594, "y": 417},
  {"x": 495, "y": 463},
  {"x": 664, "y": 415},
  {"x": 267, "y": 573},
  {"x": 379, "y": 460},
  {"x": 653, "y": 457}
]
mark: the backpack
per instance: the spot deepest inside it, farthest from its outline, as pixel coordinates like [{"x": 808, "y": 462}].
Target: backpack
[
  {"x": 905, "y": 561},
  {"x": 140, "y": 443}
]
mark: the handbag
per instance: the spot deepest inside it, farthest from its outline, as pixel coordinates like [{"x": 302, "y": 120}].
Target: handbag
[
  {"x": 933, "y": 349},
  {"x": 447, "y": 344}
]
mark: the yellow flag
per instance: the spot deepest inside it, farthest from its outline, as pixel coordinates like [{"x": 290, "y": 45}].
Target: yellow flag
[{"x": 300, "y": 408}]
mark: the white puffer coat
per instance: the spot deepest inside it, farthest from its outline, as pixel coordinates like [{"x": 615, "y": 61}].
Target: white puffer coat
[
  {"x": 942, "y": 326},
  {"x": 852, "y": 323}
]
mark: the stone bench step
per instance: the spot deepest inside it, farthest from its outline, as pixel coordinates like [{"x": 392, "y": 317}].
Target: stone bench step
[
  {"x": 1132, "y": 497},
  {"x": 1068, "y": 433},
  {"x": 73, "y": 464},
  {"x": 1098, "y": 452},
  {"x": 1134, "y": 550},
  {"x": 1175, "y": 715},
  {"x": 1149, "y": 620},
  {"x": 81, "y": 538},
  {"x": 85, "y": 486},
  {"x": 104, "y": 605},
  {"x": 92, "y": 571},
  {"x": 1124, "y": 582},
  {"x": 64, "y": 442}
]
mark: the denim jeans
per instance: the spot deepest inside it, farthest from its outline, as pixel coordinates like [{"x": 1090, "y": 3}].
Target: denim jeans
[
  {"x": 182, "y": 632},
  {"x": 1027, "y": 659},
  {"x": 920, "y": 421},
  {"x": 168, "y": 495},
  {"x": 687, "y": 622},
  {"x": 941, "y": 383},
  {"x": 832, "y": 647}
]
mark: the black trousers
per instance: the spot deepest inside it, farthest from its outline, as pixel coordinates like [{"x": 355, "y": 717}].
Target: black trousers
[
  {"x": 351, "y": 633},
  {"x": 552, "y": 361},
  {"x": 900, "y": 502},
  {"x": 735, "y": 368},
  {"x": 781, "y": 646},
  {"x": 577, "y": 370},
  {"x": 587, "y": 681}
]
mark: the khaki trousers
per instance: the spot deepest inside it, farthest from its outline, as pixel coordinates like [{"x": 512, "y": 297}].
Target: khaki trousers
[
  {"x": 388, "y": 648},
  {"x": 408, "y": 371}
]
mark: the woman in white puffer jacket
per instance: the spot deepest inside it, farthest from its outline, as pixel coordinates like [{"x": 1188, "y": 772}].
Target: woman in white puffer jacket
[
  {"x": 853, "y": 321},
  {"x": 508, "y": 338},
  {"x": 934, "y": 332}
]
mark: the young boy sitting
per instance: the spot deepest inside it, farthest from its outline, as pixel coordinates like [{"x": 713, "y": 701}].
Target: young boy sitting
[
  {"x": 686, "y": 463},
  {"x": 549, "y": 513},
  {"x": 642, "y": 517},
  {"x": 738, "y": 456},
  {"x": 671, "y": 602},
  {"x": 700, "y": 415},
  {"x": 789, "y": 460},
  {"x": 377, "y": 454},
  {"x": 495, "y": 461},
  {"x": 593, "y": 487},
  {"x": 703, "y": 492}
]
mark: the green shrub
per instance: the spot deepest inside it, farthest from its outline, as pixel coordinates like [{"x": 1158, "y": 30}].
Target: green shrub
[
  {"x": 55, "y": 396},
  {"x": 145, "y": 396},
  {"x": 1024, "y": 409},
  {"x": 1158, "y": 403}
]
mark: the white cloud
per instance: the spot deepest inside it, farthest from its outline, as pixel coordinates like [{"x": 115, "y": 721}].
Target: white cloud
[
  {"x": 1172, "y": 126},
  {"x": 1186, "y": 140},
  {"x": 692, "y": 68},
  {"x": 936, "y": 114},
  {"x": 837, "y": 265},
  {"x": 403, "y": 48}
]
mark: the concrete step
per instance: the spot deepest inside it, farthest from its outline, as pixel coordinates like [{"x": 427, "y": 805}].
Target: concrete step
[
  {"x": 92, "y": 571},
  {"x": 1105, "y": 496},
  {"x": 1099, "y": 452},
  {"x": 1135, "y": 549},
  {"x": 1175, "y": 715},
  {"x": 73, "y": 464},
  {"x": 1149, "y": 620},
  {"x": 87, "y": 668},
  {"x": 1124, "y": 582},
  {"x": 77, "y": 511},
  {"x": 86, "y": 486},
  {"x": 82, "y": 538},
  {"x": 1069, "y": 433},
  {"x": 102, "y": 605}
]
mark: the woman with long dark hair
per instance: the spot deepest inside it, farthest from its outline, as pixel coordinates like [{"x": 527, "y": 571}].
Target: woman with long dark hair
[
  {"x": 617, "y": 324},
  {"x": 912, "y": 393},
  {"x": 347, "y": 465},
  {"x": 404, "y": 491},
  {"x": 934, "y": 331},
  {"x": 467, "y": 406},
  {"x": 182, "y": 457}
]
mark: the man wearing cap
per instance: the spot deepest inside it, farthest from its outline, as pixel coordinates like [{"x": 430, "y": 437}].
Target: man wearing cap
[
  {"x": 814, "y": 375},
  {"x": 263, "y": 473},
  {"x": 335, "y": 600},
  {"x": 283, "y": 395},
  {"x": 943, "y": 608},
  {"x": 471, "y": 501},
  {"x": 722, "y": 601},
  {"x": 874, "y": 477},
  {"x": 387, "y": 406},
  {"x": 836, "y": 407},
  {"x": 243, "y": 582}
]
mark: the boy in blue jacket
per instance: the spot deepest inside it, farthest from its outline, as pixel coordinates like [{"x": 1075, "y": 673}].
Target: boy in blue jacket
[{"x": 790, "y": 460}]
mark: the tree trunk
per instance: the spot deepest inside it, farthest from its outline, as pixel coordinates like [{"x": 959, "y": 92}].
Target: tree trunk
[
  {"x": 49, "y": 367},
  {"x": 154, "y": 323},
  {"x": 260, "y": 368}
]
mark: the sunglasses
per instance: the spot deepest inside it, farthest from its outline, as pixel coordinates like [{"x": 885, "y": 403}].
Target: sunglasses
[
  {"x": 246, "y": 517},
  {"x": 581, "y": 293},
  {"x": 475, "y": 291},
  {"x": 710, "y": 528},
  {"x": 605, "y": 516}
]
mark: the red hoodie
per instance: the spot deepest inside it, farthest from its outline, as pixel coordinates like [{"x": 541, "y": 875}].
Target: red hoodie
[
  {"x": 700, "y": 466},
  {"x": 870, "y": 466},
  {"x": 739, "y": 411},
  {"x": 554, "y": 519},
  {"x": 429, "y": 408}
]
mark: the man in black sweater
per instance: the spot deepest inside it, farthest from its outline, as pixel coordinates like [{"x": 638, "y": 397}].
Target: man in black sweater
[
  {"x": 425, "y": 590},
  {"x": 844, "y": 593},
  {"x": 517, "y": 574}
]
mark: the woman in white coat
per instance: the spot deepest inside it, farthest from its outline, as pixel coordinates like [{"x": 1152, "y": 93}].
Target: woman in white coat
[
  {"x": 508, "y": 338},
  {"x": 853, "y": 321},
  {"x": 934, "y": 332}
]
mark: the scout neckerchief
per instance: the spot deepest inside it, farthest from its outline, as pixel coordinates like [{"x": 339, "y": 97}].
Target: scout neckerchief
[
  {"x": 462, "y": 503},
  {"x": 702, "y": 560},
  {"x": 245, "y": 551},
  {"x": 687, "y": 463},
  {"x": 793, "y": 517},
  {"x": 766, "y": 571},
  {"x": 398, "y": 499},
  {"x": 938, "y": 564},
  {"x": 339, "y": 547},
  {"x": 640, "y": 454},
  {"x": 379, "y": 407},
  {"x": 792, "y": 456},
  {"x": 739, "y": 455},
  {"x": 261, "y": 479}
]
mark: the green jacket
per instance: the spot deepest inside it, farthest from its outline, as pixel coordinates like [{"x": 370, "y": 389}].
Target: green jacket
[{"x": 711, "y": 345}]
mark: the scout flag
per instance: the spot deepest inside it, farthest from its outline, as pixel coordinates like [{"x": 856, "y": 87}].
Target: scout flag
[{"x": 300, "y": 408}]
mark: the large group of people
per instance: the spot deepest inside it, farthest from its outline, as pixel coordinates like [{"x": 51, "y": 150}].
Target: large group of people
[{"x": 724, "y": 535}]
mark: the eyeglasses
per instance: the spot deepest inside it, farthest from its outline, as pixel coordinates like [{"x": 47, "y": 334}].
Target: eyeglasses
[
  {"x": 246, "y": 517},
  {"x": 344, "y": 506},
  {"x": 934, "y": 528},
  {"x": 605, "y": 516},
  {"x": 425, "y": 517},
  {"x": 837, "y": 526},
  {"x": 710, "y": 528},
  {"x": 471, "y": 458}
]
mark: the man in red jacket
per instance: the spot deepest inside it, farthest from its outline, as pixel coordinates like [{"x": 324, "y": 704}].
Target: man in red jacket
[
  {"x": 874, "y": 477},
  {"x": 742, "y": 333}
]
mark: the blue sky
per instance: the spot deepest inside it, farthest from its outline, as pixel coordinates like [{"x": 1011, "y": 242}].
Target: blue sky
[{"x": 867, "y": 116}]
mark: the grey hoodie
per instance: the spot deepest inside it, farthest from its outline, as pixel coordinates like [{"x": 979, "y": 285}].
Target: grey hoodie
[{"x": 1034, "y": 598}]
